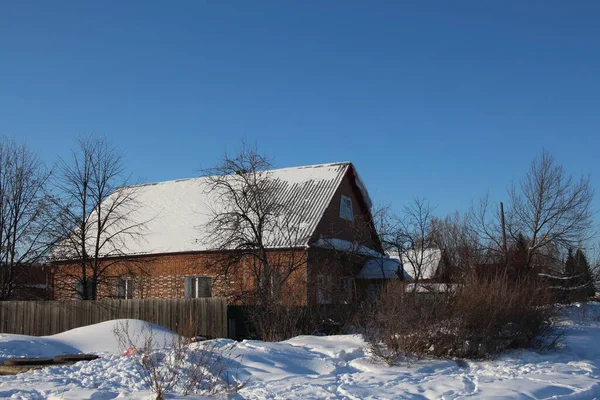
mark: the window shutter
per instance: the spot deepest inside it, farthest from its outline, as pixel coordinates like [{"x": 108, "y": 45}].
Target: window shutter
[{"x": 188, "y": 286}]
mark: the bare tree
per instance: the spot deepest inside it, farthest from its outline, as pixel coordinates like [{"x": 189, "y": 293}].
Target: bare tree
[
  {"x": 550, "y": 208},
  {"x": 485, "y": 223},
  {"x": 248, "y": 217},
  {"x": 24, "y": 222},
  {"x": 410, "y": 235},
  {"x": 95, "y": 214},
  {"x": 459, "y": 246},
  {"x": 548, "y": 212}
]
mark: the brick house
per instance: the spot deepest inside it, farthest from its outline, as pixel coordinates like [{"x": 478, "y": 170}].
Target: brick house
[
  {"x": 174, "y": 258},
  {"x": 26, "y": 282}
]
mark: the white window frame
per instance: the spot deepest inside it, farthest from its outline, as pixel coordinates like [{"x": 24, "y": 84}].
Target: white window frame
[
  {"x": 346, "y": 210},
  {"x": 195, "y": 286},
  {"x": 127, "y": 288}
]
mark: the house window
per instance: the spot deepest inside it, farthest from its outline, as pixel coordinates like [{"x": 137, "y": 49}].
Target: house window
[
  {"x": 324, "y": 286},
  {"x": 198, "y": 286},
  {"x": 348, "y": 288},
  {"x": 124, "y": 288},
  {"x": 90, "y": 292},
  {"x": 373, "y": 292},
  {"x": 346, "y": 211}
]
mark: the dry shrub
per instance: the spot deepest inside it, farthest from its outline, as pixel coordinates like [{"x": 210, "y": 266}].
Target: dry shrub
[
  {"x": 277, "y": 322},
  {"x": 501, "y": 314},
  {"x": 478, "y": 320},
  {"x": 280, "y": 322},
  {"x": 401, "y": 324},
  {"x": 180, "y": 366}
]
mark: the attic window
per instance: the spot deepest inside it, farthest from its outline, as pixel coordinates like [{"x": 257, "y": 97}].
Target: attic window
[{"x": 346, "y": 211}]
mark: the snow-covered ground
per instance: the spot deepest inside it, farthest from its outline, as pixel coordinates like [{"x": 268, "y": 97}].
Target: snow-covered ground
[{"x": 311, "y": 367}]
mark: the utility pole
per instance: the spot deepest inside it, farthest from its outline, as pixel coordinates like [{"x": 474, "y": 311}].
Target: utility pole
[{"x": 503, "y": 228}]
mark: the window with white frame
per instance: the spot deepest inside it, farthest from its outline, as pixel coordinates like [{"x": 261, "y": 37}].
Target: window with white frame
[
  {"x": 198, "y": 286},
  {"x": 346, "y": 211},
  {"x": 124, "y": 288}
]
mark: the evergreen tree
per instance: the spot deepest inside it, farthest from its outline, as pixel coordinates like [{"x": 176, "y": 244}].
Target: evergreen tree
[
  {"x": 570, "y": 265},
  {"x": 582, "y": 269}
]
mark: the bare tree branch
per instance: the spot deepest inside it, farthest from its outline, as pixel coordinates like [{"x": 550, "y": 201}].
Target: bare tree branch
[
  {"x": 410, "y": 236},
  {"x": 96, "y": 222},
  {"x": 24, "y": 214},
  {"x": 248, "y": 216},
  {"x": 550, "y": 208}
]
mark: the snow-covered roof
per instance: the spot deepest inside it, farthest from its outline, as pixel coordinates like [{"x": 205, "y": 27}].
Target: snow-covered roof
[
  {"x": 423, "y": 263},
  {"x": 345, "y": 245},
  {"x": 381, "y": 268},
  {"x": 175, "y": 214}
]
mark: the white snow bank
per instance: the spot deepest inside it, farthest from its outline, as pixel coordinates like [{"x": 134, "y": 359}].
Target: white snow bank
[
  {"x": 97, "y": 338},
  {"x": 31, "y": 346}
]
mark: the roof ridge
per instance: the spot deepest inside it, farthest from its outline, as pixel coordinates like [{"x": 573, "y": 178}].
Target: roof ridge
[
  {"x": 202, "y": 177},
  {"x": 332, "y": 164}
]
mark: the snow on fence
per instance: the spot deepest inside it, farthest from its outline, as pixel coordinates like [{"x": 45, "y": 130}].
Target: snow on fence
[{"x": 199, "y": 317}]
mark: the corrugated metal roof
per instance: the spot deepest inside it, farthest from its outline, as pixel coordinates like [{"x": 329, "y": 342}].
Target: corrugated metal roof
[{"x": 177, "y": 213}]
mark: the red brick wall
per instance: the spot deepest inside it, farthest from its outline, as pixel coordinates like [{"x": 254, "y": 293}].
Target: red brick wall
[
  {"x": 30, "y": 282},
  {"x": 335, "y": 264},
  {"x": 360, "y": 230},
  {"x": 162, "y": 276}
]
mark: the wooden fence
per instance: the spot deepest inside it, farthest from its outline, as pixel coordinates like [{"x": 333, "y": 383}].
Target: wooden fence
[{"x": 203, "y": 316}]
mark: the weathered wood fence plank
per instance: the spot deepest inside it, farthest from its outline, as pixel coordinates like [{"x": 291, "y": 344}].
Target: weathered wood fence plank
[{"x": 203, "y": 317}]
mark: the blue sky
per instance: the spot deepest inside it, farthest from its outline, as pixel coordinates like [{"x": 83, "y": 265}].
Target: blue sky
[{"x": 443, "y": 100}]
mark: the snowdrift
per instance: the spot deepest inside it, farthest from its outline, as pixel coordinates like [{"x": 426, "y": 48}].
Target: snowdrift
[
  {"x": 328, "y": 367},
  {"x": 97, "y": 338}
]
